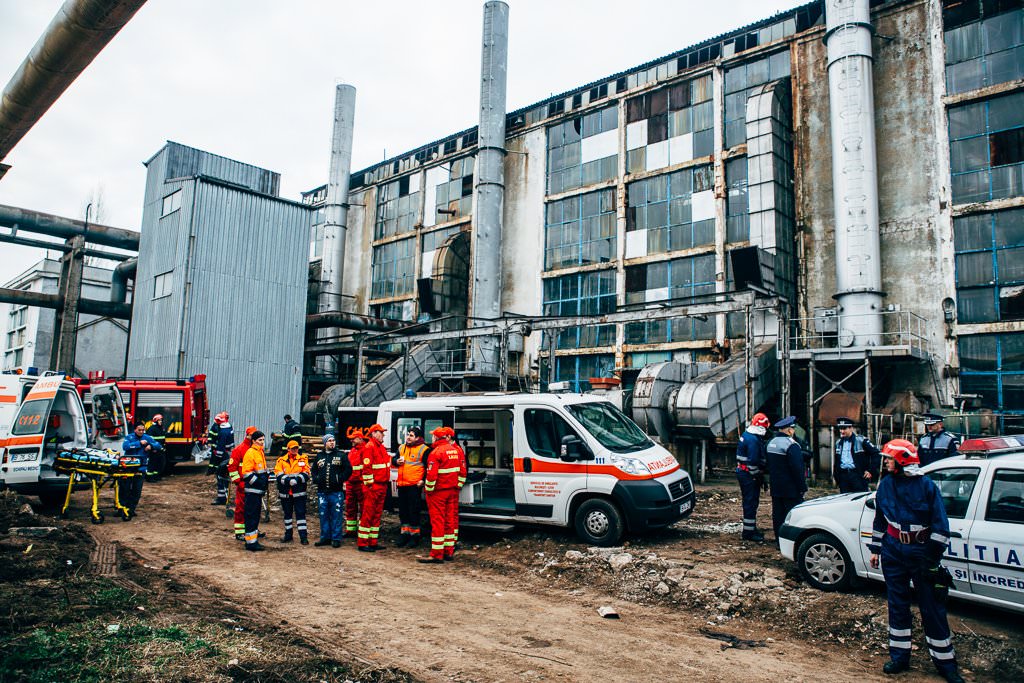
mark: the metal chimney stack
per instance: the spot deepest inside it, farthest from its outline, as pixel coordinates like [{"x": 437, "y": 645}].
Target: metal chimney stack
[
  {"x": 489, "y": 193},
  {"x": 854, "y": 172},
  {"x": 332, "y": 262}
]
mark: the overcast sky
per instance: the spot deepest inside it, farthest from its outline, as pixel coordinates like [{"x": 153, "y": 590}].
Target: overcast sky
[{"x": 254, "y": 80}]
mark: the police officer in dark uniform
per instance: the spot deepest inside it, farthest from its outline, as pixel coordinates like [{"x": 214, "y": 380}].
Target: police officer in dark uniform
[
  {"x": 750, "y": 465},
  {"x": 909, "y": 536},
  {"x": 936, "y": 443},
  {"x": 856, "y": 460},
  {"x": 785, "y": 471}
]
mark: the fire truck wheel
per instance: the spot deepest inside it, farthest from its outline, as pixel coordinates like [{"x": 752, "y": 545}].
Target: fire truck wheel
[{"x": 599, "y": 522}]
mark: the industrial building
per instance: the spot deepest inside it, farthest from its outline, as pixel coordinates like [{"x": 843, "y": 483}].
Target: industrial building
[
  {"x": 28, "y": 330},
  {"x": 635, "y": 190}
]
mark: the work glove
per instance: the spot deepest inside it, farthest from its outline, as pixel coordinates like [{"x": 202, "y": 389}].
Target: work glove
[{"x": 941, "y": 581}]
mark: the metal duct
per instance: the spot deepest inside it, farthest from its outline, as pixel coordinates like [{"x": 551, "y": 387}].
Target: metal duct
[
  {"x": 123, "y": 272},
  {"x": 854, "y": 172},
  {"x": 350, "y": 321},
  {"x": 58, "y": 226},
  {"x": 489, "y": 193},
  {"x": 332, "y": 261},
  {"x": 77, "y": 33},
  {"x": 60, "y": 246},
  {"x": 106, "y": 309}
]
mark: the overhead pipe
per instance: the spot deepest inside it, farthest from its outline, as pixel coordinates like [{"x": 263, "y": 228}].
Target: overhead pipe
[
  {"x": 489, "y": 193},
  {"x": 332, "y": 260},
  {"x": 76, "y": 34},
  {"x": 59, "y": 226},
  {"x": 350, "y": 321},
  {"x": 119, "y": 280},
  {"x": 59, "y": 246},
  {"x": 107, "y": 309},
  {"x": 854, "y": 172}
]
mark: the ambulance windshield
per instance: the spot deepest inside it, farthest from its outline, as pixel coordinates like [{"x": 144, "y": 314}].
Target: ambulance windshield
[{"x": 610, "y": 427}]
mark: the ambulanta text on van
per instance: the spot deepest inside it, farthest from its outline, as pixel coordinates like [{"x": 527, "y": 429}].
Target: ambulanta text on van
[
  {"x": 50, "y": 418},
  {"x": 563, "y": 459}
]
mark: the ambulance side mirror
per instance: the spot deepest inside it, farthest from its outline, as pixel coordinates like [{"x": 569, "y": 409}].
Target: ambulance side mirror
[
  {"x": 870, "y": 503},
  {"x": 573, "y": 449}
]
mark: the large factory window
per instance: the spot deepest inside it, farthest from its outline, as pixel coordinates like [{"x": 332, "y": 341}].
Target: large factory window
[
  {"x": 583, "y": 151},
  {"x": 393, "y": 269},
  {"x": 739, "y": 83},
  {"x": 671, "y": 212},
  {"x": 670, "y": 126},
  {"x": 992, "y": 365},
  {"x": 680, "y": 281},
  {"x": 449, "y": 191},
  {"x": 578, "y": 369},
  {"x": 737, "y": 219},
  {"x": 988, "y": 49},
  {"x": 990, "y": 266},
  {"x": 397, "y": 205},
  {"x": 580, "y": 230},
  {"x": 987, "y": 149},
  {"x": 582, "y": 294}
]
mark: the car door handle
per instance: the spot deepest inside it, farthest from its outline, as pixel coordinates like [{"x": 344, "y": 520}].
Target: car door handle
[
  {"x": 527, "y": 465},
  {"x": 955, "y": 534}
]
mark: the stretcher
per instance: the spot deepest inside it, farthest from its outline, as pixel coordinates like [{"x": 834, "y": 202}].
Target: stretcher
[{"x": 99, "y": 468}]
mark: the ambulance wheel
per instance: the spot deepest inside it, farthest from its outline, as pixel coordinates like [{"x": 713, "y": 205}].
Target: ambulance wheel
[
  {"x": 599, "y": 522},
  {"x": 98, "y": 519},
  {"x": 824, "y": 563}
]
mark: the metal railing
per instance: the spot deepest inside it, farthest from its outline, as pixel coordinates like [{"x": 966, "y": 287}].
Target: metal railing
[{"x": 899, "y": 329}]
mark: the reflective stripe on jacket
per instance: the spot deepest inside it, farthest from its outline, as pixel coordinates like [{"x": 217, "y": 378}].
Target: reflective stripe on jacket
[
  {"x": 254, "y": 470},
  {"x": 355, "y": 458},
  {"x": 410, "y": 466},
  {"x": 446, "y": 468},
  {"x": 376, "y": 464},
  {"x": 235, "y": 462},
  {"x": 292, "y": 474}
]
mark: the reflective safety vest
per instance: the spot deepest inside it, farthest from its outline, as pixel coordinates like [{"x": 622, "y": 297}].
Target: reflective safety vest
[
  {"x": 410, "y": 464},
  {"x": 254, "y": 470},
  {"x": 376, "y": 464},
  {"x": 292, "y": 475},
  {"x": 446, "y": 468}
]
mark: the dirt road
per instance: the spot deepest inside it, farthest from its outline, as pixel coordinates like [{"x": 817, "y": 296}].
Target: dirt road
[{"x": 525, "y": 608}]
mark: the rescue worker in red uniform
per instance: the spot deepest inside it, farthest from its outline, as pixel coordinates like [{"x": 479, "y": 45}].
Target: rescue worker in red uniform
[
  {"x": 235, "y": 475},
  {"x": 446, "y": 474},
  {"x": 292, "y": 473},
  {"x": 376, "y": 479},
  {"x": 410, "y": 463},
  {"x": 354, "y": 485}
]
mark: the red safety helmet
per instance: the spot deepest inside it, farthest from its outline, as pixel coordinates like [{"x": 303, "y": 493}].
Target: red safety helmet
[
  {"x": 443, "y": 431},
  {"x": 249, "y": 430},
  {"x": 220, "y": 417},
  {"x": 761, "y": 420},
  {"x": 902, "y": 451},
  {"x": 374, "y": 428}
]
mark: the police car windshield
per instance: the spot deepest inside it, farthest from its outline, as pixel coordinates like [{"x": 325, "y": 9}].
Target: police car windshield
[{"x": 610, "y": 427}]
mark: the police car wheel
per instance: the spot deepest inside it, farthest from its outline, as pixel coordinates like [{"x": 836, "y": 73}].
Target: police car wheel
[
  {"x": 824, "y": 563},
  {"x": 599, "y": 522}
]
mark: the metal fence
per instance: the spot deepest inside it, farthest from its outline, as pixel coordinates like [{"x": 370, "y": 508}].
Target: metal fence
[{"x": 902, "y": 329}]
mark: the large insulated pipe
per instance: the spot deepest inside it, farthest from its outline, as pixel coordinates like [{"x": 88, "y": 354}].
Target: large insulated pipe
[
  {"x": 854, "y": 172},
  {"x": 77, "y": 33},
  {"x": 332, "y": 261},
  {"x": 58, "y": 226},
  {"x": 489, "y": 199},
  {"x": 350, "y": 321},
  {"x": 123, "y": 272},
  {"x": 107, "y": 309}
]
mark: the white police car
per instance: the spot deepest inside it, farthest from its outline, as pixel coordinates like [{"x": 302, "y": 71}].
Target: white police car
[{"x": 983, "y": 490}]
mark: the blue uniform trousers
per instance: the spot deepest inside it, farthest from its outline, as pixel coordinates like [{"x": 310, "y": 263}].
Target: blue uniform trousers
[
  {"x": 332, "y": 515},
  {"x": 851, "y": 481},
  {"x": 901, "y": 563},
  {"x": 751, "y": 493},
  {"x": 780, "y": 508},
  {"x": 294, "y": 506}
]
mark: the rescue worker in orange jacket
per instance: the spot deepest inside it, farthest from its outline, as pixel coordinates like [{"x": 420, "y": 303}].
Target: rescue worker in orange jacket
[
  {"x": 354, "y": 485},
  {"x": 446, "y": 474},
  {"x": 292, "y": 473},
  {"x": 376, "y": 479},
  {"x": 410, "y": 462},
  {"x": 235, "y": 476},
  {"x": 256, "y": 478}
]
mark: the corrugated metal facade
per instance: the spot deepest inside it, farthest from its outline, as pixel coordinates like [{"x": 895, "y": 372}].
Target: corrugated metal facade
[{"x": 237, "y": 260}]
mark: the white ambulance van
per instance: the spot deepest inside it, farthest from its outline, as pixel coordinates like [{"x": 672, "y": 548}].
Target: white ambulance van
[
  {"x": 50, "y": 417},
  {"x": 568, "y": 460}
]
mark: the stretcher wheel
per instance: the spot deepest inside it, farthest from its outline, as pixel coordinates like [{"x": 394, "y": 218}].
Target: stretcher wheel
[
  {"x": 125, "y": 516},
  {"x": 98, "y": 519}
]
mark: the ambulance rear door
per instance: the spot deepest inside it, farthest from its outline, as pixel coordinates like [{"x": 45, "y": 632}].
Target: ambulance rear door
[
  {"x": 109, "y": 423},
  {"x": 545, "y": 480},
  {"x": 23, "y": 454}
]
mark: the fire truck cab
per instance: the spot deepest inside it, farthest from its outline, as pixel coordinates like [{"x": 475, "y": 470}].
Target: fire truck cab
[
  {"x": 52, "y": 417},
  {"x": 182, "y": 402},
  {"x": 568, "y": 460}
]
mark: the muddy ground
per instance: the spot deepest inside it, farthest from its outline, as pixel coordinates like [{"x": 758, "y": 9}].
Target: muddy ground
[{"x": 694, "y": 602}]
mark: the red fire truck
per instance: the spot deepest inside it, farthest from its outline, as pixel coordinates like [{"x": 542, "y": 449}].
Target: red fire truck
[{"x": 182, "y": 402}]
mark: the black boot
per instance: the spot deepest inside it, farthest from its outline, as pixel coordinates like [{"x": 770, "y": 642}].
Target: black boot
[
  {"x": 895, "y": 667},
  {"x": 303, "y": 539},
  {"x": 403, "y": 541},
  {"x": 414, "y": 540},
  {"x": 952, "y": 676},
  {"x": 755, "y": 536},
  {"x": 254, "y": 547},
  {"x": 287, "y": 538},
  {"x": 322, "y": 542}
]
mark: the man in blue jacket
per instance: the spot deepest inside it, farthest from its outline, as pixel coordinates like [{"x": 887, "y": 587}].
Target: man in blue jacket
[
  {"x": 750, "y": 465},
  {"x": 139, "y": 445},
  {"x": 936, "y": 443},
  {"x": 856, "y": 459},
  {"x": 786, "y": 472}
]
